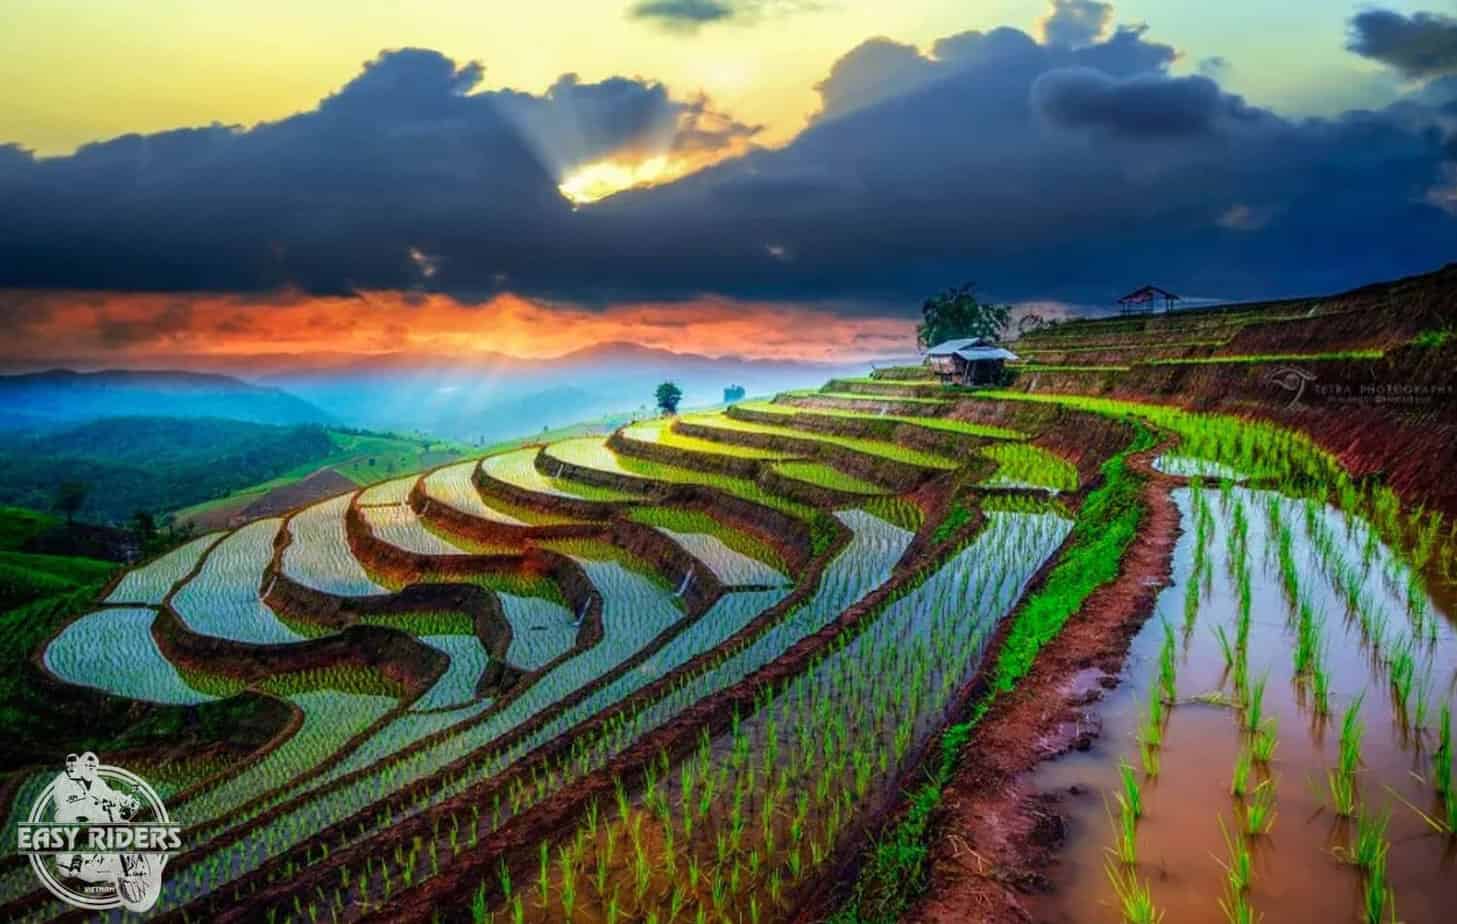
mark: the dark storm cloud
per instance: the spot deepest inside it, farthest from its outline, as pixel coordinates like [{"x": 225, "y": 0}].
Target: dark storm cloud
[
  {"x": 1142, "y": 107},
  {"x": 1076, "y": 22},
  {"x": 403, "y": 164},
  {"x": 1040, "y": 170},
  {"x": 1052, "y": 172},
  {"x": 689, "y": 15},
  {"x": 1417, "y": 46}
]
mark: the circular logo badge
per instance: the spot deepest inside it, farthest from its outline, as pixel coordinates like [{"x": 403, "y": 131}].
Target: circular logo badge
[{"x": 98, "y": 837}]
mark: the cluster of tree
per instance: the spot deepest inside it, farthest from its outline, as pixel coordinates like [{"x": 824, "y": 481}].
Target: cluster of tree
[{"x": 957, "y": 314}]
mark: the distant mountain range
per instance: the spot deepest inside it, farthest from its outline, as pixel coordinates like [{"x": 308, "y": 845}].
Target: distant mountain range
[
  {"x": 491, "y": 396},
  {"x": 482, "y": 397},
  {"x": 60, "y": 397}
]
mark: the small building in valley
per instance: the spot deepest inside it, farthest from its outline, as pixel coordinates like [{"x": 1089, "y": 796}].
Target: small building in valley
[
  {"x": 1146, "y": 300},
  {"x": 971, "y": 361}
]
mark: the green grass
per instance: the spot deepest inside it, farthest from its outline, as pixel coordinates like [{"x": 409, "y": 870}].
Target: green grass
[
  {"x": 25, "y": 576},
  {"x": 821, "y": 475},
  {"x": 947, "y": 424},
  {"x": 1059, "y": 367},
  {"x": 1267, "y": 358},
  {"x": 896, "y": 511},
  {"x": 1433, "y": 339},
  {"x": 878, "y": 448},
  {"x": 1022, "y": 464},
  {"x": 857, "y": 396},
  {"x": 895, "y": 871},
  {"x": 662, "y": 433},
  {"x": 1114, "y": 347},
  {"x": 679, "y": 520},
  {"x": 596, "y": 454}
]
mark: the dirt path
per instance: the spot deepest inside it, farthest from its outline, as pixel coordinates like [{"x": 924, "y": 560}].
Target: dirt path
[{"x": 996, "y": 831}]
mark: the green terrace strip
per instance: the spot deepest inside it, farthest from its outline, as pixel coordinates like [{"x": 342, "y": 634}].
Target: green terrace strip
[
  {"x": 679, "y": 522},
  {"x": 879, "y": 448},
  {"x": 817, "y": 473},
  {"x": 1039, "y": 367},
  {"x": 519, "y": 468},
  {"x": 947, "y": 424},
  {"x": 1115, "y": 346},
  {"x": 857, "y": 396},
  {"x": 662, "y": 433},
  {"x": 1023, "y": 465},
  {"x": 1267, "y": 358},
  {"x": 895, "y": 872},
  {"x": 592, "y": 452},
  {"x": 898, "y": 511}
]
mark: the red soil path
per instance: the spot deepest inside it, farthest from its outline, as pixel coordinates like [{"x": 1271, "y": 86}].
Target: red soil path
[{"x": 996, "y": 832}]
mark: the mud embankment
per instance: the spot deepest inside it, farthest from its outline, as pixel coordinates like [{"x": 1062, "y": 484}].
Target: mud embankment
[{"x": 994, "y": 833}]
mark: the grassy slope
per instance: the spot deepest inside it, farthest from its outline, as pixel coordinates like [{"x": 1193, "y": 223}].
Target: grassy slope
[{"x": 25, "y": 576}]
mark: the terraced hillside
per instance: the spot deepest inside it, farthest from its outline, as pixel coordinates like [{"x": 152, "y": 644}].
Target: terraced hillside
[{"x": 688, "y": 671}]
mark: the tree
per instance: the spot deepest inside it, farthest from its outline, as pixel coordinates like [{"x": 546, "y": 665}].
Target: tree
[
  {"x": 956, "y": 313},
  {"x": 70, "y": 497},
  {"x": 668, "y": 396},
  {"x": 145, "y": 526}
]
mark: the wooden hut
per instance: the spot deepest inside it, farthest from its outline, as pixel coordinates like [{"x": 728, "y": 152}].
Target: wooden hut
[
  {"x": 1146, "y": 300},
  {"x": 971, "y": 361}
]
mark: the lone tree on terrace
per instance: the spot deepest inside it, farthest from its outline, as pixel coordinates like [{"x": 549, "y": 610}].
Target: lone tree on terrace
[
  {"x": 70, "y": 498},
  {"x": 956, "y": 314},
  {"x": 668, "y": 396}
]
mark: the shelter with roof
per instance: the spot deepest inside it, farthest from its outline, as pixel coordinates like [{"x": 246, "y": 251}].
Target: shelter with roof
[
  {"x": 1146, "y": 300},
  {"x": 969, "y": 361}
]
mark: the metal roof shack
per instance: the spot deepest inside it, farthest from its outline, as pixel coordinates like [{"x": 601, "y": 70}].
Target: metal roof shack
[
  {"x": 1146, "y": 299},
  {"x": 969, "y": 361}
]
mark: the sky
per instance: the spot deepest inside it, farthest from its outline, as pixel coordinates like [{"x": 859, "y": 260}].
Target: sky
[{"x": 189, "y": 178}]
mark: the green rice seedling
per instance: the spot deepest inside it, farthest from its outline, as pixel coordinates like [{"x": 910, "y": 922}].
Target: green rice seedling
[
  {"x": 1342, "y": 791},
  {"x": 1239, "y": 868},
  {"x": 1320, "y": 690},
  {"x": 1254, "y": 705},
  {"x": 1260, "y": 809},
  {"x": 478, "y": 912},
  {"x": 1237, "y": 908},
  {"x": 1262, "y": 746},
  {"x": 1131, "y": 795},
  {"x": 1352, "y": 731},
  {"x": 1377, "y": 896},
  {"x": 1125, "y": 832},
  {"x": 1149, "y": 756},
  {"x": 1369, "y": 844},
  {"x": 1442, "y": 757},
  {"x": 1135, "y": 899},
  {"x": 1167, "y": 669},
  {"x": 1225, "y": 647},
  {"x": 1239, "y": 783}
]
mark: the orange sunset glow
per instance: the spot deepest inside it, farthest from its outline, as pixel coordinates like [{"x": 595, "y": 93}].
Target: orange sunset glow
[{"x": 134, "y": 329}]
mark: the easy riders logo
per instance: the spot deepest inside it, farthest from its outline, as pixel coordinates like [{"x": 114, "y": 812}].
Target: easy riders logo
[{"x": 98, "y": 837}]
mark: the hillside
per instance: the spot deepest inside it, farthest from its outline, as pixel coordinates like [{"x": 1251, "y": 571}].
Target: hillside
[
  {"x": 154, "y": 464},
  {"x": 27, "y": 576},
  {"x": 486, "y": 397},
  {"x": 60, "y": 397}
]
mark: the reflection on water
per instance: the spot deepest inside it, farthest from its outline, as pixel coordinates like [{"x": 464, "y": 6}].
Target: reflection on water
[{"x": 1298, "y": 875}]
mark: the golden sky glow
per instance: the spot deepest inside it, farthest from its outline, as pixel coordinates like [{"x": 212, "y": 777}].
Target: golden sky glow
[
  {"x": 141, "y": 329},
  {"x": 82, "y": 70}
]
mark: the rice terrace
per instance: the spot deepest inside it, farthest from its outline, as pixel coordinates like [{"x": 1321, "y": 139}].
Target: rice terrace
[
  {"x": 728, "y": 462},
  {"x": 641, "y": 676}
]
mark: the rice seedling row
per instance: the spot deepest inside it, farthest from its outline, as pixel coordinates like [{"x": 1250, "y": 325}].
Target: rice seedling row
[
  {"x": 150, "y": 583},
  {"x": 222, "y": 600}
]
